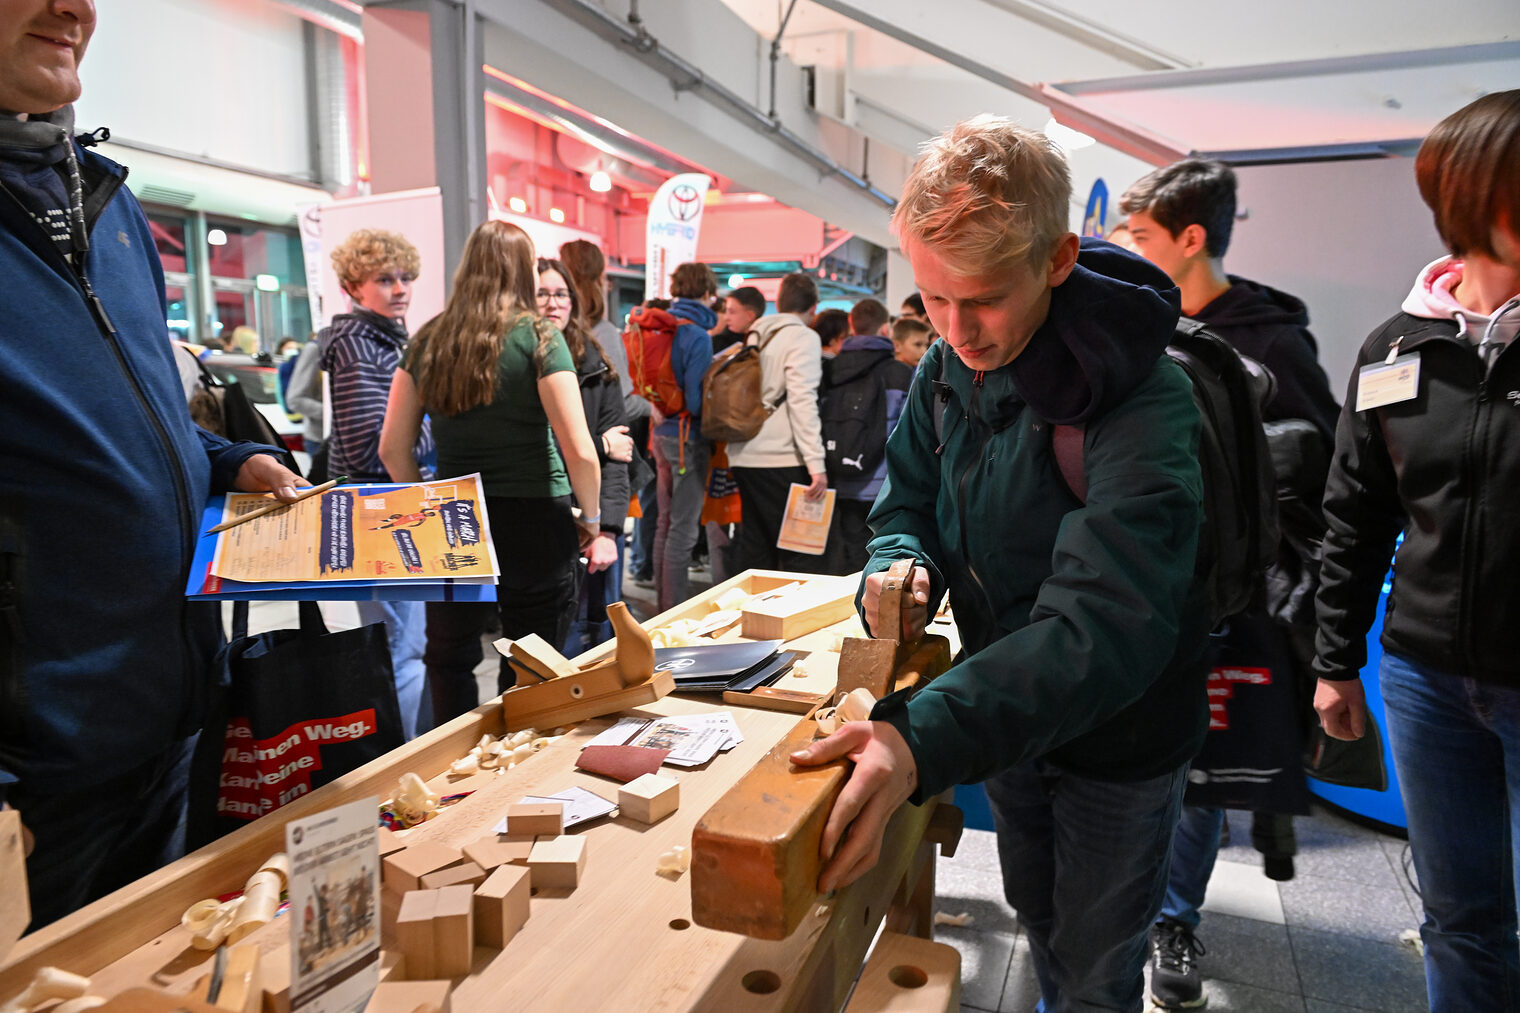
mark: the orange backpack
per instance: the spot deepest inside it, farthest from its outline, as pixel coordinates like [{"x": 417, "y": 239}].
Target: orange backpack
[{"x": 649, "y": 339}]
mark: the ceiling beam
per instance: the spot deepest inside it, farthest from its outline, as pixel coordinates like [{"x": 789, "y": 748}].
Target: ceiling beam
[{"x": 1093, "y": 35}]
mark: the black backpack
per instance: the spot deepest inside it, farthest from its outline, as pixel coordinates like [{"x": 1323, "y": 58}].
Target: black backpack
[
  {"x": 1239, "y": 538},
  {"x": 852, "y": 411}
]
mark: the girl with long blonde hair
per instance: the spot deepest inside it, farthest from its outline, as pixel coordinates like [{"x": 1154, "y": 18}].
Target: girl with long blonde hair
[{"x": 497, "y": 379}]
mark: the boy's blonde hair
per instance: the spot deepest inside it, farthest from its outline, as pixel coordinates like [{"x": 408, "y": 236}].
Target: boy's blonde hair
[
  {"x": 986, "y": 194},
  {"x": 367, "y": 252}
]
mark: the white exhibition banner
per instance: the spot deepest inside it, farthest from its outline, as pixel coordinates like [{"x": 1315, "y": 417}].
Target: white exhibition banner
[{"x": 675, "y": 219}]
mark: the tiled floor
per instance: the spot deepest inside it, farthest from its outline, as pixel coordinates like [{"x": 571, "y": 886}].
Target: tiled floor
[{"x": 1326, "y": 941}]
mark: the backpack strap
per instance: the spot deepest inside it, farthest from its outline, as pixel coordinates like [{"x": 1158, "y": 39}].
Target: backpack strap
[
  {"x": 770, "y": 409},
  {"x": 942, "y": 394},
  {"x": 1066, "y": 444}
]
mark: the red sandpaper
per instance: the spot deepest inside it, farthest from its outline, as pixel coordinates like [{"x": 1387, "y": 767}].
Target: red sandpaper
[{"x": 621, "y": 763}]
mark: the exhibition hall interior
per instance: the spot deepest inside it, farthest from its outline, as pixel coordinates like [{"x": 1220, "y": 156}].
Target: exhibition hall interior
[{"x": 991, "y": 505}]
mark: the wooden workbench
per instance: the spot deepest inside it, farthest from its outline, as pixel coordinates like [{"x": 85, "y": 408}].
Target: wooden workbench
[{"x": 624, "y": 940}]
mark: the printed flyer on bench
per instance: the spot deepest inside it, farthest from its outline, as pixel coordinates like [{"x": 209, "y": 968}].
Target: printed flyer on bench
[{"x": 352, "y": 536}]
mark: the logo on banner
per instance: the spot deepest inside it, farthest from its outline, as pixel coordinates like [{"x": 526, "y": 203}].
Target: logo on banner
[{"x": 685, "y": 202}]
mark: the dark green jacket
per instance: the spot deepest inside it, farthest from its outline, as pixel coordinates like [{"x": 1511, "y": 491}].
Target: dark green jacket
[{"x": 1083, "y": 640}]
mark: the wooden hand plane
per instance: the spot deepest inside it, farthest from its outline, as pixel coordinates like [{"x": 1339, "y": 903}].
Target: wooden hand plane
[{"x": 564, "y": 693}]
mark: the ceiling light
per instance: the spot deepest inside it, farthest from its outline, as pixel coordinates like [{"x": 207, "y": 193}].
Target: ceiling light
[
  {"x": 600, "y": 181},
  {"x": 216, "y": 237},
  {"x": 735, "y": 280},
  {"x": 556, "y": 215},
  {"x": 518, "y": 204}
]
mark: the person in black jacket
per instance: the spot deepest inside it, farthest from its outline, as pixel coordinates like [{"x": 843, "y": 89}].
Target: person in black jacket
[
  {"x": 1181, "y": 217},
  {"x": 559, "y": 301},
  {"x": 1428, "y": 448}
]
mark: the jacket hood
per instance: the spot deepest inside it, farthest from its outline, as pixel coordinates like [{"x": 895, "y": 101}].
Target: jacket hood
[
  {"x": 1246, "y": 303},
  {"x": 1432, "y": 298},
  {"x": 858, "y": 356},
  {"x": 1108, "y": 323},
  {"x": 694, "y": 312}
]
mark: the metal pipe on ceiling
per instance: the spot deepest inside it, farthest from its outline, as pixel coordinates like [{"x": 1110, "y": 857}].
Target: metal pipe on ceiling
[{"x": 684, "y": 76}]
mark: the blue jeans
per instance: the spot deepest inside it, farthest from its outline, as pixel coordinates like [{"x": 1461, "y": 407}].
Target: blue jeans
[
  {"x": 406, "y": 632},
  {"x": 682, "y": 491},
  {"x": 1194, "y": 850},
  {"x": 1084, "y": 867},
  {"x": 1456, "y": 745}
]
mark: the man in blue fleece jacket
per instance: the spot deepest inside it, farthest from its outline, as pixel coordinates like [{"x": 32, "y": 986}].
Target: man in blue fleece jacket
[{"x": 103, "y": 664}]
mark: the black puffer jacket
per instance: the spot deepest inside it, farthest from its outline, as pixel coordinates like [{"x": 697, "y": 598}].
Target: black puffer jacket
[
  {"x": 1443, "y": 469},
  {"x": 603, "y": 400}
]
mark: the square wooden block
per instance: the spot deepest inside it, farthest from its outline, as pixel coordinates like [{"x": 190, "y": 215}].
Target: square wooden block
[
  {"x": 499, "y": 849},
  {"x": 409, "y": 996},
  {"x": 404, "y": 869},
  {"x": 467, "y": 873},
  {"x": 414, "y": 932},
  {"x": 536, "y": 819},
  {"x": 649, "y": 798},
  {"x": 557, "y": 862},
  {"x": 501, "y": 905},
  {"x": 453, "y": 932}
]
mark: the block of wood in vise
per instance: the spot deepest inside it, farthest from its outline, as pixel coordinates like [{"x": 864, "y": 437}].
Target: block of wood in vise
[{"x": 755, "y": 859}]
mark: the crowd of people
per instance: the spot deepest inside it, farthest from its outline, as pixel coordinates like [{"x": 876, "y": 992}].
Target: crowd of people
[{"x": 1079, "y": 696}]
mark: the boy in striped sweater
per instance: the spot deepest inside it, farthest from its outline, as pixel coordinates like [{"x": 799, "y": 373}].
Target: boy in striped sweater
[{"x": 360, "y": 352}]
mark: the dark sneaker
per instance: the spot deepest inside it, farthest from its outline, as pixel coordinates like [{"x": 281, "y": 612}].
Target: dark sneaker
[{"x": 1175, "y": 980}]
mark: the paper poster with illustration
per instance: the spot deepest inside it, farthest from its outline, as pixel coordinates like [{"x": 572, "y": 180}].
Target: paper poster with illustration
[
  {"x": 334, "y": 908},
  {"x": 419, "y": 531}
]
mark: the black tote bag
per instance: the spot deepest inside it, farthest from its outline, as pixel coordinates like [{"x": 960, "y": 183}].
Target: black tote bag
[{"x": 290, "y": 710}]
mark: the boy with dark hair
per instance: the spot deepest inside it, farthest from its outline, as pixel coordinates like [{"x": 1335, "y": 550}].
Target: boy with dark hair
[
  {"x": 910, "y": 340},
  {"x": 859, "y": 402},
  {"x": 789, "y": 446},
  {"x": 1180, "y": 218},
  {"x": 868, "y": 317},
  {"x": 680, "y": 452},
  {"x": 833, "y": 326},
  {"x": 913, "y": 308},
  {"x": 1079, "y": 696}
]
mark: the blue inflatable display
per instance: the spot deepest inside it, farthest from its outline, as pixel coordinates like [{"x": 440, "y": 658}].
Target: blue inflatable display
[{"x": 1386, "y": 807}]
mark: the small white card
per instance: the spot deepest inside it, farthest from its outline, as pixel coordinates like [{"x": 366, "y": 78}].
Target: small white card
[
  {"x": 579, "y": 804},
  {"x": 1388, "y": 383},
  {"x": 334, "y": 908}
]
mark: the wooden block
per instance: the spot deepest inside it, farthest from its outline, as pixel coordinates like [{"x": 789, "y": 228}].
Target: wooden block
[
  {"x": 649, "y": 798},
  {"x": 823, "y": 601},
  {"x": 392, "y": 965},
  {"x": 410, "y": 997},
  {"x": 16, "y": 912},
  {"x": 769, "y": 698},
  {"x": 390, "y": 842},
  {"x": 151, "y": 1000},
  {"x": 274, "y": 979},
  {"x": 536, "y": 654},
  {"x": 414, "y": 933},
  {"x": 556, "y": 862},
  {"x": 454, "y": 931},
  {"x": 537, "y": 819},
  {"x": 499, "y": 849},
  {"x": 755, "y": 861},
  {"x": 404, "y": 869},
  {"x": 906, "y": 974},
  {"x": 501, "y": 905},
  {"x": 466, "y": 873}
]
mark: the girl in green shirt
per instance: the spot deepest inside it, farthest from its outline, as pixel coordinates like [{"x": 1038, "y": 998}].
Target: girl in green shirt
[{"x": 496, "y": 379}]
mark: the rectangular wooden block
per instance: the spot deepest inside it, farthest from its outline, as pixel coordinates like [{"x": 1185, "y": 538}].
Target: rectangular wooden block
[
  {"x": 404, "y": 869},
  {"x": 414, "y": 932},
  {"x": 823, "y": 601},
  {"x": 906, "y": 974},
  {"x": 467, "y": 873},
  {"x": 241, "y": 992},
  {"x": 501, "y": 905},
  {"x": 536, "y": 819},
  {"x": 499, "y": 849},
  {"x": 556, "y": 862},
  {"x": 453, "y": 932},
  {"x": 388, "y": 840},
  {"x": 649, "y": 798},
  {"x": 274, "y": 979},
  {"x": 392, "y": 965},
  {"x": 410, "y": 997}
]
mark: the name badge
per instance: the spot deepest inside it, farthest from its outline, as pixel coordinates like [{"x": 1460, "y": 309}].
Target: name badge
[{"x": 1388, "y": 382}]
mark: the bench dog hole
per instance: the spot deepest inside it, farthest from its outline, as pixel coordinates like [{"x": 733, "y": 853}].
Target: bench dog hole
[{"x": 761, "y": 982}]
